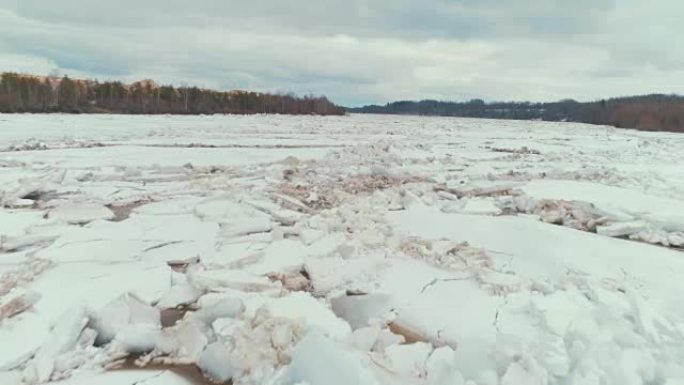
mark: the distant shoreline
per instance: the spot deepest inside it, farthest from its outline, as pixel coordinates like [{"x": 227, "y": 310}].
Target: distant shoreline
[
  {"x": 646, "y": 113},
  {"x": 46, "y": 94}
]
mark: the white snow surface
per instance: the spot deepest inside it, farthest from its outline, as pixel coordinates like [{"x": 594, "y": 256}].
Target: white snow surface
[{"x": 335, "y": 250}]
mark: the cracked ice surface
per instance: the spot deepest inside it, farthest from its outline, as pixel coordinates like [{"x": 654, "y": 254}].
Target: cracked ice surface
[{"x": 359, "y": 249}]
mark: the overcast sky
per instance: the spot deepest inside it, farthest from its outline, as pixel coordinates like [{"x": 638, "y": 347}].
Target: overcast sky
[{"x": 358, "y": 51}]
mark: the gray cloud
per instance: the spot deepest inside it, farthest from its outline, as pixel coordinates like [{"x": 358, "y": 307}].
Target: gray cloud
[
  {"x": 357, "y": 51},
  {"x": 368, "y": 18}
]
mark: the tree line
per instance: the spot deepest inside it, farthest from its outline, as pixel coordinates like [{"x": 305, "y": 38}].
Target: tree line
[
  {"x": 648, "y": 112},
  {"x": 26, "y": 93}
]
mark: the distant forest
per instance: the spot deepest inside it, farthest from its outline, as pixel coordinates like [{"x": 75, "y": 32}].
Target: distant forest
[
  {"x": 649, "y": 112},
  {"x": 26, "y": 93}
]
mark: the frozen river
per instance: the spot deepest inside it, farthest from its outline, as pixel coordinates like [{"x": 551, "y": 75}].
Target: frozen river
[{"x": 360, "y": 249}]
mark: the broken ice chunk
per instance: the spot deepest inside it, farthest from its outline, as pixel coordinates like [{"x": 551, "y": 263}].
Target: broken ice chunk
[
  {"x": 182, "y": 294},
  {"x": 676, "y": 239},
  {"x": 385, "y": 339},
  {"x": 215, "y": 363},
  {"x": 527, "y": 372},
  {"x": 223, "y": 308},
  {"x": 364, "y": 338},
  {"x": 185, "y": 341},
  {"x": 321, "y": 361},
  {"x": 441, "y": 368},
  {"x": 12, "y": 244},
  {"x": 358, "y": 310},
  {"x": 409, "y": 359},
  {"x": 138, "y": 338},
  {"x": 125, "y": 310},
  {"x": 309, "y": 236}
]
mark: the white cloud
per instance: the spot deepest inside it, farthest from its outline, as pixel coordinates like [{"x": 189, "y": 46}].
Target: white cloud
[{"x": 358, "y": 51}]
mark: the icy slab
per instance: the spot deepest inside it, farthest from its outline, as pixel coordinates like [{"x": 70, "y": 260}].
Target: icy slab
[
  {"x": 543, "y": 250},
  {"x": 659, "y": 209},
  {"x": 25, "y": 335},
  {"x": 80, "y": 213},
  {"x": 15, "y": 223},
  {"x": 63, "y": 338}
]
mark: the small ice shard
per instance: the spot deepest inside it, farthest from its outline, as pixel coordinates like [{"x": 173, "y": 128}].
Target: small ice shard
[
  {"x": 87, "y": 338},
  {"x": 620, "y": 229},
  {"x": 291, "y": 202},
  {"x": 216, "y": 280},
  {"x": 22, "y": 203},
  {"x": 447, "y": 195},
  {"x": 233, "y": 230}
]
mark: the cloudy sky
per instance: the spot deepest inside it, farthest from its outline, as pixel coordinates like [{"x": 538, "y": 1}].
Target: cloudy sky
[{"x": 358, "y": 51}]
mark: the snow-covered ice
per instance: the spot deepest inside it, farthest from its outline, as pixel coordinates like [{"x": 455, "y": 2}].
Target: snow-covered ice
[{"x": 360, "y": 249}]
